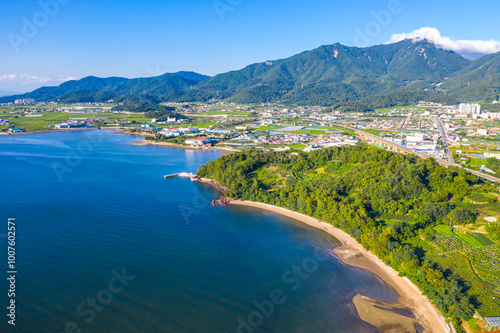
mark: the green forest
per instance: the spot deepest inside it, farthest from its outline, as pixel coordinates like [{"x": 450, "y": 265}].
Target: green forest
[{"x": 398, "y": 206}]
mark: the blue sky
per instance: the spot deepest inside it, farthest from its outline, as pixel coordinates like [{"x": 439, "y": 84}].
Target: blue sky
[{"x": 144, "y": 38}]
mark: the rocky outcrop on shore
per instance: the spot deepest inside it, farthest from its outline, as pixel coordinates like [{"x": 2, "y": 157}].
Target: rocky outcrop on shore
[{"x": 223, "y": 202}]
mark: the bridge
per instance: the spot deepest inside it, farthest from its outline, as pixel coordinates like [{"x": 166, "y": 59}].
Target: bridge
[{"x": 406, "y": 150}]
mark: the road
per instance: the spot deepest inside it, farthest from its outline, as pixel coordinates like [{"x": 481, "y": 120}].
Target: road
[
  {"x": 420, "y": 154},
  {"x": 444, "y": 138}
]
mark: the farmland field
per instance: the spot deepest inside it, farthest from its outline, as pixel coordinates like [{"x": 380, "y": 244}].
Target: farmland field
[{"x": 476, "y": 239}]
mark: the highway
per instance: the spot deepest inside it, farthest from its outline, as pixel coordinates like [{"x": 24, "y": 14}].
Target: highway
[
  {"x": 444, "y": 138},
  {"x": 419, "y": 154}
]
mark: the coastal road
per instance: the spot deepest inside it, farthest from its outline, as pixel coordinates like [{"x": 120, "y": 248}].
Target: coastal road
[
  {"x": 444, "y": 138},
  {"x": 418, "y": 153}
]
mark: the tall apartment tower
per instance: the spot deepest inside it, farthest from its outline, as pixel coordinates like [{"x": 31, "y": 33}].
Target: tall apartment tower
[{"x": 470, "y": 108}]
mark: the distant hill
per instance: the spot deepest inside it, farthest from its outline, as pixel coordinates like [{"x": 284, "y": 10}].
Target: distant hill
[
  {"x": 480, "y": 80},
  {"x": 377, "y": 76},
  {"x": 94, "y": 89}
]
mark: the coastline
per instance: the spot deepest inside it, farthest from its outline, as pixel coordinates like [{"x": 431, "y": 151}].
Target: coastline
[
  {"x": 166, "y": 144},
  {"x": 54, "y": 131},
  {"x": 194, "y": 178},
  {"x": 354, "y": 254},
  {"x": 350, "y": 253},
  {"x": 123, "y": 130},
  {"x": 175, "y": 145}
]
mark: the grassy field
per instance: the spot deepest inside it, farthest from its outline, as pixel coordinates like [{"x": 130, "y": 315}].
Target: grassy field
[
  {"x": 227, "y": 113},
  {"x": 444, "y": 229},
  {"x": 268, "y": 128},
  {"x": 51, "y": 118},
  {"x": 298, "y": 146},
  {"x": 200, "y": 124},
  {"x": 311, "y": 132},
  {"x": 475, "y": 162},
  {"x": 476, "y": 239}
]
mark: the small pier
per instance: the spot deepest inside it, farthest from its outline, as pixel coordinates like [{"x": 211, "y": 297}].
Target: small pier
[
  {"x": 195, "y": 178},
  {"x": 171, "y": 176},
  {"x": 181, "y": 174}
]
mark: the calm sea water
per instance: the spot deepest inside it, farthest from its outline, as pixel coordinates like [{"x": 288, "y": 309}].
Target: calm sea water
[{"x": 105, "y": 244}]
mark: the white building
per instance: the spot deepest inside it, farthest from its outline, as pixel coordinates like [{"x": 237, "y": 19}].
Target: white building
[
  {"x": 188, "y": 129},
  {"x": 490, "y": 154},
  {"x": 24, "y": 101},
  {"x": 470, "y": 108},
  {"x": 490, "y": 115},
  {"x": 482, "y": 132},
  {"x": 417, "y": 137}
]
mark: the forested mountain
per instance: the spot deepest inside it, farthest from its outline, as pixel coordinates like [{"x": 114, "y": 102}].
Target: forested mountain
[
  {"x": 377, "y": 76},
  {"x": 337, "y": 73},
  {"x": 94, "y": 89},
  {"x": 478, "y": 81}
]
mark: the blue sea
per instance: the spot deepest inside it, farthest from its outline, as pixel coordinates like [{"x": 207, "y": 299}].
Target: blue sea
[{"x": 105, "y": 244}]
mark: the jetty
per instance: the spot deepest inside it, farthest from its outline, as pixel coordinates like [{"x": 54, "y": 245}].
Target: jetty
[
  {"x": 181, "y": 174},
  {"x": 195, "y": 178}
]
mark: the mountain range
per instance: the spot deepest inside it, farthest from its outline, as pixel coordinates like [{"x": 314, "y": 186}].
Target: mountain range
[{"x": 379, "y": 76}]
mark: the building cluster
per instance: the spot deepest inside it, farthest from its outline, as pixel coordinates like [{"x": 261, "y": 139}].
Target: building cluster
[
  {"x": 24, "y": 101},
  {"x": 209, "y": 107},
  {"x": 16, "y": 130},
  {"x": 169, "y": 120},
  {"x": 290, "y": 139},
  {"x": 469, "y": 109},
  {"x": 419, "y": 141},
  {"x": 472, "y": 111},
  {"x": 73, "y": 124},
  {"x": 202, "y": 141},
  {"x": 173, "y": 132},
  {"x": 4, "y": 122},
  {"x": 410, "y": 123}
]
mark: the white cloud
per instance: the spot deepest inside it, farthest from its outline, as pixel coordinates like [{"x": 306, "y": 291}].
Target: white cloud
[
  {"x": 468, "y": 48},
  {"x": 31, "y": 79}
]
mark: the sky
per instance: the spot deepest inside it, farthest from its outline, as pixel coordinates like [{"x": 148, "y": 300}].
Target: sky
[{"x": 47, "y": 42}]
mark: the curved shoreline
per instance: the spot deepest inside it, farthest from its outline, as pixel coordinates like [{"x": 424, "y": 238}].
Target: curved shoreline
[
  {"x": 354, "y": 254},
  {"x": 175, "y": 145},
  {"x": 54, "y": 131}
]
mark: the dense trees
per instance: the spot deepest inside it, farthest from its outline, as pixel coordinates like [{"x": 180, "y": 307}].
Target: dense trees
[
  {"x": 463, "y": 216},
  {"x": 494, "y": 231},
  {"x": 150, "y": 108},
  {"x": 389, "y": 202}
]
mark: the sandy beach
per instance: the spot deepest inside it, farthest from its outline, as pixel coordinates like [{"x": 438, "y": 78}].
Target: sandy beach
[{"x": 354, "y": 254}]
